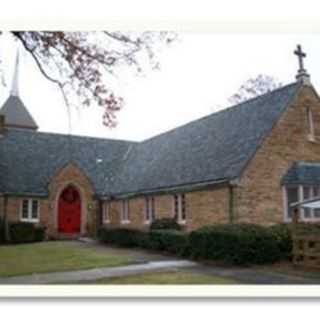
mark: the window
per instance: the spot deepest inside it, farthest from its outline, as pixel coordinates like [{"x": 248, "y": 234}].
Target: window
[
  {"x": 307, "y": 194},
  {"x": 125, "y": 212},
  {"x": 299, "y": 193},
  {"x": 149, "y": 209},
  {"x": 179, "y": 205},
  {"x": 30, "y": 210},
  {"x": 311, "y": 135},
  {"x": 106, "y": 213}
]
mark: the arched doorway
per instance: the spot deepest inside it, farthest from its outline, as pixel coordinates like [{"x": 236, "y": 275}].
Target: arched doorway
[{"x": 69, "y": 211}]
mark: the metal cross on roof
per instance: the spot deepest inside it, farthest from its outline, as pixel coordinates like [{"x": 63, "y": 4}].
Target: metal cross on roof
[
  {"x": 300, "y": 54},
  {"x": 302, "y": 73}
]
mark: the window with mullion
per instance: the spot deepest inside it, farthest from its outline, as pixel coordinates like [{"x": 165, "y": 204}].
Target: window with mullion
[
  {"x": 301, "y": 193},
  {"x": 179, "y": 204},
  {"x": 292, "y": 197},
  {"x": 106, "y": 213},
  {"x": 307, "y": 194},
  {"x": 125, "y": 211},
  {"x": 176, "y": 206},
  {"x": 316, "y": 212},
  {"x": 30, "y": 210},
  {"x": 149, "y": 209}
]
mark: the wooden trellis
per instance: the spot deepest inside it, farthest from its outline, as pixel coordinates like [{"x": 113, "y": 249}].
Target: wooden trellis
[{"x": 306, "y": 246}]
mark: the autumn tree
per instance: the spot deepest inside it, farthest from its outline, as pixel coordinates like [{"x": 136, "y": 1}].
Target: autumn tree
[
  {"x": 78, "y": 62},
  {"x": 254, "y": 87}
]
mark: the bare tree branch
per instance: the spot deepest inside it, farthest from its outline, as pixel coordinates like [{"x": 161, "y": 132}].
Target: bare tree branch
[
  {"x": 79, "y": 62},
  {"x": 254, "y": 87}
]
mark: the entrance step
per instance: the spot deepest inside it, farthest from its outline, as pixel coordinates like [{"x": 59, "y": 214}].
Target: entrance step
[
  {"x": 87, "y": 240},
  {"x": 67, "y": 236}
]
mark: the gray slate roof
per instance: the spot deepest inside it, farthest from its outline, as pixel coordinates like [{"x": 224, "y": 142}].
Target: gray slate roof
[
  {"x": 29, "y": 159},
  {"x": 16, "y": 114},
  {"x": 302, "y": 172},
  {"x": 214, "y": 148},
  {"x": 211, "y": 149}
]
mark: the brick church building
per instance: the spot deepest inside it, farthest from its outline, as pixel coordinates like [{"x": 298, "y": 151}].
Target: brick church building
[{"x": 246, "y": 163}]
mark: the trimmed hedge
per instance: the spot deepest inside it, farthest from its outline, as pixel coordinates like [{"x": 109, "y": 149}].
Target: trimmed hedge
[
  {"x": 162, "y": 240},
  {"x": 165, "y": 224},
  {"x": 123, "y": 237},
  {"x": 283, "y": 235},
  {"x": 173, "y": 241},
  {"x": 39, "y": 233},
  {"x": 23, "y": 232},
  {"x": 239, "y": 244}
]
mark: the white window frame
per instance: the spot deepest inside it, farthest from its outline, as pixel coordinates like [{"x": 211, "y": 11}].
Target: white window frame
[
  {"x": 301, "y": 198},
  {"x": 30, "y": 219},
  {"x": 106, "y": 213},
  {"x": 181, "y": 198},
  {"x": 149, "y": 210},
  {"x": 124, "y": 219},
  {"x": 311, "y": 135}
]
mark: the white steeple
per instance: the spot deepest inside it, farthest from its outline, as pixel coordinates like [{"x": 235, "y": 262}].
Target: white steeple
[
  {"x": 15, "y": 113},
  {"x": 15, "y": 79}
]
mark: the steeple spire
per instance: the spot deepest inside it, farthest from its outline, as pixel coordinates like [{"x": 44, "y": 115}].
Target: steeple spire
[
  {"x": 15, "y": 113},
  {"x": 15, "y": 79}
]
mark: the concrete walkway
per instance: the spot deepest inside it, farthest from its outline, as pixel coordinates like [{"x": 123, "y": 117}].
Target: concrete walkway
[
  {"x": 93, "y": 274},
  {"x": 250, "y": 276},
  {"x": 242, "y": 275}
]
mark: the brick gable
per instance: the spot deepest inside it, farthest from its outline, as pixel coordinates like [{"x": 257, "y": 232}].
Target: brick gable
[{"x": 259, "y": 199}]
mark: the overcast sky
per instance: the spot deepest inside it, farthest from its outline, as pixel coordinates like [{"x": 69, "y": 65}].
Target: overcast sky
[{"x": 198, "y": 74}]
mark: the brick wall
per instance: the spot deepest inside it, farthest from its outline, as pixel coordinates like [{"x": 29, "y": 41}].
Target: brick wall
[
  {"x": 14, "y": 207},
  {"x": 259, "y": 198},
  {"x": 202, "y": 208},
  {"x": 207, "y": 207}
]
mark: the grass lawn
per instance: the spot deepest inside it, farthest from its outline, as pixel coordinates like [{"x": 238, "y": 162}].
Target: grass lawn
[
  {"x": 170, "y": 277},
  {"x": 54, "y": 256}
]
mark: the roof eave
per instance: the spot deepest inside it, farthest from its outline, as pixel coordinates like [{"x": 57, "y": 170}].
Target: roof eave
[
  {"x": 25, "y": 194},
  {"x": 171, "y": 189}
]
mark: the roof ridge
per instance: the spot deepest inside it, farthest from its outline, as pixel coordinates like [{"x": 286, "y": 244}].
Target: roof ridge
[
  {"x": 227, "y": 109},
  {"x": 71, "y": 135}
]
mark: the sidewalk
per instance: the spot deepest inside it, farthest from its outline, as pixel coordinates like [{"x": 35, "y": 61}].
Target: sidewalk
[
  {"x": 249, "y": 276},
  {"x": 92, "y": 274}
]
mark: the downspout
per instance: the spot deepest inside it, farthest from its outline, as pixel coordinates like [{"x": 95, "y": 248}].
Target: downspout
[
  {"x": 5, "y": 218},
  {"x": 99, "y": 217}
]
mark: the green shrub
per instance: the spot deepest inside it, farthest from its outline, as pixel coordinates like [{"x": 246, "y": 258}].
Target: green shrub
[
  {"x": 39, "y": 233},
  {"x": 165, "y": 224},
  {"x": 173, "y": 241},
  {"x": 22, "y": 232},
  {"x": 283, "y": 236},
  {"x": 239, "y": 244},
  {"x": 162, "y": 240},
  {"x": 123, "y": 237}
]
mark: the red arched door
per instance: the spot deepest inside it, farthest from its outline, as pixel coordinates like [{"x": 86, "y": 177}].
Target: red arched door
[{"x": 69, "y": 211}]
